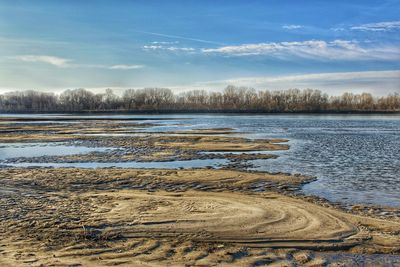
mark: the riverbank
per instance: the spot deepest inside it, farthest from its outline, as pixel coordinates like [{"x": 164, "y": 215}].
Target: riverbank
[{"x": 161, "y": 217}]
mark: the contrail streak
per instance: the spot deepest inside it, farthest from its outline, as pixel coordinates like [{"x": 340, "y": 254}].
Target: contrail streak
[{"x": 180, "y": 37}]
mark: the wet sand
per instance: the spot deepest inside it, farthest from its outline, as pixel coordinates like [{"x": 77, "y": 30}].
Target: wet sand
[
  {"x": 199, "y": 217},
  {"x": 164, "y": 217}
]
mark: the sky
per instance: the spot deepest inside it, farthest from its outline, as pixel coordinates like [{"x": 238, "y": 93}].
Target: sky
[{"x": 334, "y": 46}]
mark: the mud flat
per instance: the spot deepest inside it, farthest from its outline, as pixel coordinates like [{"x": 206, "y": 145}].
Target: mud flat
[
  {"x": 167, "y": 217},
  {"x": 137, "y": 145},
  {"x": 61, "y": 131}
]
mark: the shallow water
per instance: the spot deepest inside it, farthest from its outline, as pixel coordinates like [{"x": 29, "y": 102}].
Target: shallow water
[
  {"x": 184, "y": 164},
  {"x": 350, "y": 259},
  {"x": 16, "y": 150},
  {"x": 29, "y": 150},
  {"x": 355, "y": 157}
]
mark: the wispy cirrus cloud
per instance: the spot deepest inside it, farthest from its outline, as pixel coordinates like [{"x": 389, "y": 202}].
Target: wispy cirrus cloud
[
  {"x": 312, "y": 49},
  {"x": 320, "y": 77},
  {"x": 378, "y": 27},
  {"x": 55, "y": 61},
  {"x": 125, "y": 67},
  {"x": 377, "y": 82},
  {"x": 165, "y": 42},
  {"x": 68, "y": 63},
  {"x": 292, "y": 27},
  {"x": 168, "y": 48}
]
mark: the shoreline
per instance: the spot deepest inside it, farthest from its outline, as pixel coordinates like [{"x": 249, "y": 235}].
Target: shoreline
[{"x": 208, "y": 112}]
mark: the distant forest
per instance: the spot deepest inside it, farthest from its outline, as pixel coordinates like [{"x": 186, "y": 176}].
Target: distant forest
[{"x": 232, "y": 99}]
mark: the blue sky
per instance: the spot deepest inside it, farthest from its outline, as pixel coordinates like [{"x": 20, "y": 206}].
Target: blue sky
[{"x": 334, "y": 46}]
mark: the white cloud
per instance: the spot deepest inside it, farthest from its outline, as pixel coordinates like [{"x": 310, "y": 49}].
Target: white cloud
[
  {"x": 66, "y": 63},
  {"x": 174, "y": 48},
  {"x": 125, "y": 67},
  {"x": 292, "y": 27},
  {"x": 312, "y": 49},
  {"x": 164, "y": 42},
  {"x": 338, "y": 29},
  {"x": 378, "y": 27},
  {"x": 376, "y": 82},
  {"x": 56, "y": 61},
  {"x": 325, "y": 77},
  {"x": 169, "y": 48},
  {"x": 153, "y": 47}
]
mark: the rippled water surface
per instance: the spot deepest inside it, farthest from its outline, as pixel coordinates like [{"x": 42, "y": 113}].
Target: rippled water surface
[
  {"x": 176, "y": 164},
  {"x": 356, "y": 158},
  {"x": 17, "y": 150}
]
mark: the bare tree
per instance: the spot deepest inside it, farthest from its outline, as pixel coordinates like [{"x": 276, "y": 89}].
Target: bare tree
[{"x": 232, "y": 99}]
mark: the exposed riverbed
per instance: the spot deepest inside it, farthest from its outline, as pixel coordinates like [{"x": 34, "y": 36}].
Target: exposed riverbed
[
  {"x": 354, "y": 157},
  {"x": 199, "y": 190}
]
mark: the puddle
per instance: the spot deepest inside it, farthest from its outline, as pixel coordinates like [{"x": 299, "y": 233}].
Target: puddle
[
  {"x": 112, "y": 134},
  {"x": 16, "y": 150},
  {"x": 266, "y": 152},
  {"x": 185, "y": 164}
]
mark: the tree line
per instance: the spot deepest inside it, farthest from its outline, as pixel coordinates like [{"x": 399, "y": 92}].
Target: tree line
[{"x": 231, "y": 99}]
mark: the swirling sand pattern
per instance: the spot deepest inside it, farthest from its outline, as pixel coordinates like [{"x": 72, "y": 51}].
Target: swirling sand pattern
[
  {"x": 80, "y": 217},
  {"x": 269, "y": 221}
]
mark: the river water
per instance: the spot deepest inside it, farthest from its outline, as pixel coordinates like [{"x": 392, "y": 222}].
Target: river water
[{"x": 356, "y": 158}]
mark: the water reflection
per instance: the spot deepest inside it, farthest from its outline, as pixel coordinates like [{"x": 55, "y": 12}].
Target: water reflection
[
  {"x": 184, "y": 164},
  {"x": 16, "y": 150}
]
